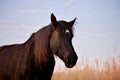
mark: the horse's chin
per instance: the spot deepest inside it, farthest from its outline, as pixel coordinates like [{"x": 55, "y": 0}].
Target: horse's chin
[{"x": 69, "y": 65}]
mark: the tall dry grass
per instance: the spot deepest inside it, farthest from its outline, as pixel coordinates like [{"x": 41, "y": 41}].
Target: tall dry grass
[{"x": 108, "y": 69}]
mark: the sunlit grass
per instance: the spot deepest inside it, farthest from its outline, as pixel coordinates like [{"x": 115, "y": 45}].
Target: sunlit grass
[{"x": 108, "y": 69}]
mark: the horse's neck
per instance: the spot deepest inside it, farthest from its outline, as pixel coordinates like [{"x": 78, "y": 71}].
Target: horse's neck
[{"x": 41, "y": 40}]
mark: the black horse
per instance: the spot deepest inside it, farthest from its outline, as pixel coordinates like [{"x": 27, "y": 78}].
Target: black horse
[{"x": 34, "y": 59}]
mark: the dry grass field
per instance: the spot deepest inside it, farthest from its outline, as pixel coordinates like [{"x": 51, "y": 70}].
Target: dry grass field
[{"x": 108, "y": 69}]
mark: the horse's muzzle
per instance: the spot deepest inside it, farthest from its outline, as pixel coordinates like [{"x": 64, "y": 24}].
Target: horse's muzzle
[{"x": 71, "y": 61}]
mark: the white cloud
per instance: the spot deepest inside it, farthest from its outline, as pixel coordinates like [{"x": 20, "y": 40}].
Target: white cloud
[
  {"x": 11, "y": 33},
  {"x": 88, "y": 33},
  {"x": 32, "y": 11},
  {"x": 7, "y": 26},
  {"x": 28, "y": 11},
  {"x": 69, "y": 2}
]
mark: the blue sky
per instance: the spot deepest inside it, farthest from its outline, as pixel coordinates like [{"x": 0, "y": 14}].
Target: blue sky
[{"x": 97, "y": 29}]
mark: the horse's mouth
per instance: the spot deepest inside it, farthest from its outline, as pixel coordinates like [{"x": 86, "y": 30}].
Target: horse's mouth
[{"x": 69, "y": 65}]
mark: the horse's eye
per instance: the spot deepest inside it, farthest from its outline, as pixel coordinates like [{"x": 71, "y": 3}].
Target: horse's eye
[{"x": 67, "y": 31}]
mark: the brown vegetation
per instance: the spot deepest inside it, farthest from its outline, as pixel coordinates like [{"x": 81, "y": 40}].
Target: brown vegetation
[{"x": 108, "y": 69}]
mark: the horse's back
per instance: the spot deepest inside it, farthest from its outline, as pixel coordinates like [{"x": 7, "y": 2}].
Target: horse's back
[
  {"x": 10, "y": 51},
  {"x": 9, "y": 59}
]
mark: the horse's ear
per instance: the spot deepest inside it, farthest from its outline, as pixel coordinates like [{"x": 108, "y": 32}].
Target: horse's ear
[
  {"x": 53, "y": 20},
  {"x": 72, "y": 22}
]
